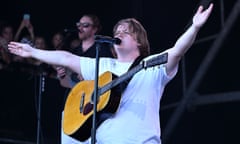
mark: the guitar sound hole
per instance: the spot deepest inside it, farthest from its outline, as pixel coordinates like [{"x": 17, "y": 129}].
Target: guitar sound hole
[{"x": 88, "y": 108}]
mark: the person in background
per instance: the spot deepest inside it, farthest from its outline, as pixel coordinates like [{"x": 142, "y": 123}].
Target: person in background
[
  {"x": 74, "y": 43},
  {"x": 137, "y": 119},
  {"x": 88, "y": 26},
  {"x": 57, "y": 41},
  {"x": 6, "y": 35},
  {"x": 27, "y": 36}
]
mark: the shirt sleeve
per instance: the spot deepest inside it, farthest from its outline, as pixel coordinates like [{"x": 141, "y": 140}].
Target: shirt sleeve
[{"x": 87, "y": 68}]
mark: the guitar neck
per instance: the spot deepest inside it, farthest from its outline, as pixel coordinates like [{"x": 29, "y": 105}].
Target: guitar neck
[
  {"x": 121, "y": 79},
  {"x": 160, "y": 59}
]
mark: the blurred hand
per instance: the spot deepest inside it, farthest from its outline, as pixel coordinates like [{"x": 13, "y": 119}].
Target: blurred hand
[
  {"x": 20, "y": 49},
  {"x": 61, "y": 72}
]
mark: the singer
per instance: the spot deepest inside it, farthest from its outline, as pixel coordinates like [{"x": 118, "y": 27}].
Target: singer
[{"x": 137, "y": 119}]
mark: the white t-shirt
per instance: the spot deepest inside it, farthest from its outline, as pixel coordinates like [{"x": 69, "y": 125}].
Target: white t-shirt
[{"x": 137, "y": 119}]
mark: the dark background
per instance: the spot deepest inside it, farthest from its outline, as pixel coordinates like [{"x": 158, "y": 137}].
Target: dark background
[{"x": 164, "y": 21}]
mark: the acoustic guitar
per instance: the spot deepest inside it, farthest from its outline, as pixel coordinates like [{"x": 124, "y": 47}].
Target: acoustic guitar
[{"x": 78, "y": 110}]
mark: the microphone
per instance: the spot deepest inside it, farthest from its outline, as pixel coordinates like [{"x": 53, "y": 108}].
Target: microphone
[
  {"x": 71, "y": 30},
  {"x": 107, "y": 39}
]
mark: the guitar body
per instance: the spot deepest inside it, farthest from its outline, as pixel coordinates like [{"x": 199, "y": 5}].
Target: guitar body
[{"x": 78, "y": 110}]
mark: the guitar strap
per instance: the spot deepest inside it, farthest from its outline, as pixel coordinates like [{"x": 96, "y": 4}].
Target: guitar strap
[
  {"x": 102, "y": 116},
  {"x": 136, "y": 62},
  {"x": 124, "y": 84}
]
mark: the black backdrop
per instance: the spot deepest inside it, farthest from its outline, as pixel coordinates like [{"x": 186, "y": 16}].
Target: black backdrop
[{"x": 20, "y": 95}]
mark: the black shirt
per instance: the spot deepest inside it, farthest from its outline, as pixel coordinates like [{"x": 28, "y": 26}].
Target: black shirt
[{"x": 105, "y": 50}]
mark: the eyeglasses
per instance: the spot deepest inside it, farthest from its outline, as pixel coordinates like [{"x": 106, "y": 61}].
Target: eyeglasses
[{"x": 85, "y": 25}]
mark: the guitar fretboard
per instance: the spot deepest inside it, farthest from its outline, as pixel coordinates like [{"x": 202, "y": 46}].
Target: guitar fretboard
[{"x": 160, "y": 59}]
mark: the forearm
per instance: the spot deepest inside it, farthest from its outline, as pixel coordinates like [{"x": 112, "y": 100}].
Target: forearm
[
  {"x": 51, "y": 57},
  {"x": 16, "y": 37},
  {"x": 186, "y": 40},
  {"x": 180, "y": 48},
  {"x": 32, "y": 35}
]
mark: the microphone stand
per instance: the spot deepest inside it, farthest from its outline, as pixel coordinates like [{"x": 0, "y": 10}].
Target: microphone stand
[
  {"x": 98, "y": 39},
  {"x": 95, "y": 97},
  {"x": 41, "y": 90}
]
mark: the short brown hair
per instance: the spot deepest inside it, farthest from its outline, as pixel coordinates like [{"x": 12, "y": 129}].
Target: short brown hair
[{"x": 139, "y": 32}]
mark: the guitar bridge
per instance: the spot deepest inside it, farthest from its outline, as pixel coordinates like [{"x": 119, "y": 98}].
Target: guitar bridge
[{"x": 82, "y": 102}]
